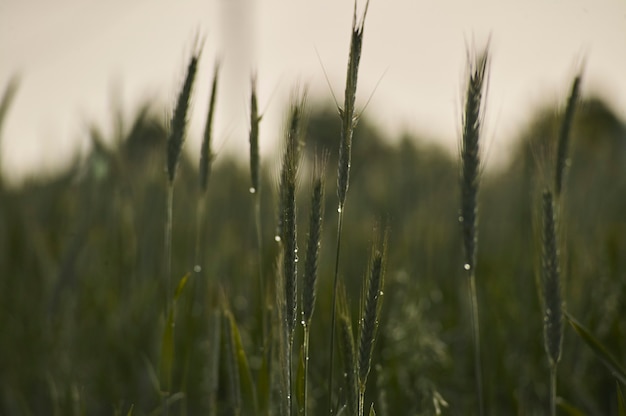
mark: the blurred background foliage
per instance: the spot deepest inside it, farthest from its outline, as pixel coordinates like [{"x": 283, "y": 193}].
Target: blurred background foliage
[{"x": 81, "y": 258}]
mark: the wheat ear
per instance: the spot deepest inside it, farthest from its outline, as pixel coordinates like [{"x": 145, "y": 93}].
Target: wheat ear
[
  {"x": 564, "y": 135},
  {"x": 370, "y": 315}
]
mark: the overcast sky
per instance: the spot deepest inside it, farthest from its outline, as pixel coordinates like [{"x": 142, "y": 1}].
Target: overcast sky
[{"x": 78, "y": 59}]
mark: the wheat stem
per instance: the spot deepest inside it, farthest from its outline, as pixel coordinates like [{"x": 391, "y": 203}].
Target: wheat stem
[
  {"x": 334, "y": 312},
  {"x": 553, "y": 390},
  {"x": 255, "y": 191},
  {"x": 348, "y": 123}
]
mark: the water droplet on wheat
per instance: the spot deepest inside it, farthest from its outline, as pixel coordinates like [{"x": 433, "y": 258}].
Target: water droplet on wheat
[
  {"x": 252, "y": 190},
  {"x": 381, "y": 293},
  {"x": 277, "y": 238},
  {"x": 339, "y": 209},
  {"x": 466, "y": 266},
  {"x": 197, "y": 268}
]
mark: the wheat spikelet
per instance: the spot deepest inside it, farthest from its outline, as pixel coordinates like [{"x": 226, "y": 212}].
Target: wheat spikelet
[
  {"x": 553, "y": 316},
  {"x": 314, "y": 239},
  {"x": 206, "y": 157},
  {"x": 179, "y": 119},
  {"x": 564, "y": 135},
  {"x": 370, "y": 314},
  {"x": 470, "y": 154},
  {"x": 289, "y": 172},
  {"x": 254, "y": 139}
]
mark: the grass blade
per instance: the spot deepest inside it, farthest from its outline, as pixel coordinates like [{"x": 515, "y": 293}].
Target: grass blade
[
  {"x": 621, "y": 404},
  {"x": 167, "y": 342},
  {"x": 599, "y": 350},
  {"x": 568, "y": 408}
]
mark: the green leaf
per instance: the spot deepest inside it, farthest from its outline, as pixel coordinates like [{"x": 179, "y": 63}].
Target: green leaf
[
  {"x": 167, "y": 343},
  {"x": 600, "y": 350},
  {"x": 248, "y": 393},
  {"x": 181, "y": 286},
  {"x": 568, "y": 408},
  {"x": 621, "y": 406},
  {"x": 214, "y": 359},
  {"x": 264, "y": 382}
]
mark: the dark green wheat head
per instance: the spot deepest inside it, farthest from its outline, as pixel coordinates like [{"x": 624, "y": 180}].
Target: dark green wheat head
[
  {"x": 206, "y": 156},
  {"x": 178, "y": 123},
  {"x": 348, "y": 116},
  {"x": 470, "y": 153},
  {"x": 553, "y": 313}
]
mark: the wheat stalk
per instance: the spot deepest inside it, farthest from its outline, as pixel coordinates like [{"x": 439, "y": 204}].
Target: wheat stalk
[
  {"x": 348, "y": 123},
  {"x": 174, "y": 145},
  {"x": 288, "y": 184},
  {"x": 553, "y": 313},
  {"x": 255, "y": 190},
  {"x": 470, "y": 166}
]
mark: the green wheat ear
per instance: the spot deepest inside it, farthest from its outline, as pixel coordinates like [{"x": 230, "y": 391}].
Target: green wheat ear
[
  {"x": 564, "y": 135},
  {"x": 206, "y": 156},
  {"x": 178, "y": 123},
  {"x": 370, "y": 315}
]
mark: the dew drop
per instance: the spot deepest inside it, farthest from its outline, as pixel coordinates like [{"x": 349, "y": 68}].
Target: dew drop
[
  {"x": 339, "y": 210},
  {"x": 303, "y": 323},
  {"x": 466, "y": 266},
  {"x": 381, "y": 293},
  {"x": 197, "y": 268},
  {"x": 252, "y": 190},
  {"x": 277, "y": 238},
  {"x": 460, "y": 218}
]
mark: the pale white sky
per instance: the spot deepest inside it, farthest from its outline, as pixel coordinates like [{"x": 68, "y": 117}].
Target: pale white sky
[{"x": 75, "y": 56}]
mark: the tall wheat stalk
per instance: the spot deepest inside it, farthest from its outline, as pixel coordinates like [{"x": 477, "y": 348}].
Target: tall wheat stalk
[
  {"x": 174, "y": 144},
  {"x": 288, "y": 184},
  {"x": 553, "y": 313},
  {"x": 552, "y": 206},
  {"x": 175, "y": 141},
  {"x": 348, "y": 123},
  {"x": 470, "y": 177},
  {"x": 255, "y": 191}
]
